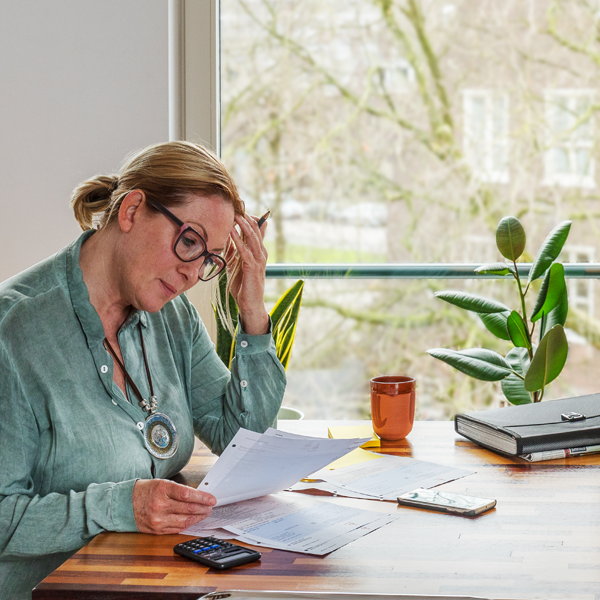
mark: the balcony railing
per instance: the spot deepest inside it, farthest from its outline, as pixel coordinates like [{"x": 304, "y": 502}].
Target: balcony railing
[{"x": 411, "y": 271}]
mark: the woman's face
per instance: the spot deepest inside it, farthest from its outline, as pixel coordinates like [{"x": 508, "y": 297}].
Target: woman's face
[{"x": 153, "y": 274}]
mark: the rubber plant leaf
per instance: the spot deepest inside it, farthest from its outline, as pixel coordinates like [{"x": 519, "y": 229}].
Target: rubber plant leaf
[
  {"x": 513, "y": 387},
  {"x": 284, "y": 318},
  {"x": 510, "y": 238},
  {"x": 472, "y": 302},
  {"x": 517, "y": 330},
  {"x": 496, "y": 324},
  {"x": 476, "y": 362},
  {"x": 553, "y": 287},
  {"x": 498, "y": 268},
  {"x": 550, "y": 250},
  {"x": 549, "y": 359},
  {"x": 557, "y": 316}
]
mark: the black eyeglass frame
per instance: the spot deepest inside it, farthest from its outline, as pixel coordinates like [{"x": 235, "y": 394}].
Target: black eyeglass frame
[{"x": 183, "y": 227}]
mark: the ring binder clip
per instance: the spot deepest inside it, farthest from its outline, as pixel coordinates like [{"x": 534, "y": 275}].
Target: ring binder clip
[{"x": 572, "y": 416}]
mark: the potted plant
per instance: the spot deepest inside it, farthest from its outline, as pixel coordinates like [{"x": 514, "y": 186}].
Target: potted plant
[
  {"x": 526, "y": 370},
  {"x": 284, "y": 318}
]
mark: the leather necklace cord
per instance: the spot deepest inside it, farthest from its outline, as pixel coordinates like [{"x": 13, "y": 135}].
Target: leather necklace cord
[{"x": 142, "y": 401}]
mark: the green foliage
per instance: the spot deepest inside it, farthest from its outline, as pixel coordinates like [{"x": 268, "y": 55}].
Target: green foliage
[
  {"x": 496, "y": 323},
  {"x": 550, "y": 250},
  {"x": 526, "y": 370},
  {"x": 513, "y": 386},
  {"x": 510, "y": 238},
  {"x": 476, "y": 362},
  {"x": 284, "y": 319},
  {"x": 548, "y": 361},
  {"x": 471, "y": 302}
]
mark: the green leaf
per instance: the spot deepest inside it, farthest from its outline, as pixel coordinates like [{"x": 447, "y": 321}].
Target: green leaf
[
  {"x": 550, "y": 250},
  {"x": 510, "y": 238},
  {"x": 498, "y": 268},
  {"x": 471, "y": 302},
  {"x": 549, "y": 359},
  {"x": 513, "y": 386},
  {"x": 496, "y": 324},
  {"x": 551, "y": 291},
  {"x": 557, "y": 316},
  {"x": 517, "y": 330},
  {"x": 225, "y": 346},
  {"x": 284, "y": 303},
  {"x": 284, "y": 318},
  {"x": 477, "y": 362}
]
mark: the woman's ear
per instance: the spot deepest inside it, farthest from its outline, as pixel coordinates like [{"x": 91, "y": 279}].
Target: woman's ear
[{"x": 129, "y": 208}]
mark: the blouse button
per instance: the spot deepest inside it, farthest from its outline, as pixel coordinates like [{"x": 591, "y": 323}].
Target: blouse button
[
  {"x": 113, "y": 402},
  {"x": 104, "y": 369},
  {"x": 140, "y": 425},
  {"x": 244, "y": 383},
  {"x": 244, "y": 344}
]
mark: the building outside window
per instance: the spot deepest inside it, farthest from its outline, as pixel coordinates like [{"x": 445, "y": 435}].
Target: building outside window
[
  {"x": 581, "y": 291},
  {"x": 378, "y": 135},
  {"x": 485, "y": 138},
  {"x": 570, "y": 123}
]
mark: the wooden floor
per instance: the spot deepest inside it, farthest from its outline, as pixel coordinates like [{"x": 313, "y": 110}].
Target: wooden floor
[{"x": 541, "y": 542}]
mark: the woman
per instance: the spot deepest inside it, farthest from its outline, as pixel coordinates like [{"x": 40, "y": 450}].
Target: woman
[{"x": 107, "y": 371}]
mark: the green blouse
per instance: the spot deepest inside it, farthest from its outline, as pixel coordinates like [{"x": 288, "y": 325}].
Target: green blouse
[{"x": 70, "y": 444}]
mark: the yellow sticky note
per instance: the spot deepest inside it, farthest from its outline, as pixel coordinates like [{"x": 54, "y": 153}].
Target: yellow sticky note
[
  {"x": 355, "y": 431},
  {"x": 352, "y": 458}
]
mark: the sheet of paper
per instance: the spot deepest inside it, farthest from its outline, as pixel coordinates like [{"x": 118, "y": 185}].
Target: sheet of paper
[
  {"x": 288, "y": 521},
  {"x": 330, "y": 488},
  {"x": 355, "y": 431},
  {"x": 255, "y": 464},
  {"x": 391, "y": 476}
]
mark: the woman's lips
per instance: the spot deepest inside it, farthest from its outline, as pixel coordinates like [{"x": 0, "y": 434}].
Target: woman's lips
[{"x": 168, "y": 288}]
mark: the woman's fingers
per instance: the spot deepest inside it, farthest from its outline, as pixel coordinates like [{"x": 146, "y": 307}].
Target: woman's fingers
[{"x": 161, "y": 506}]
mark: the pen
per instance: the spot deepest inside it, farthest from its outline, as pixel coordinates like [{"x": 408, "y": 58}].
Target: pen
[
  {"x": 564, "y": 453},
  {"x": 263, "y": 219}
]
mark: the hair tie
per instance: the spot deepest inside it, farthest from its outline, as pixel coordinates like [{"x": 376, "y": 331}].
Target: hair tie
[{"x": 115, "y": 185}]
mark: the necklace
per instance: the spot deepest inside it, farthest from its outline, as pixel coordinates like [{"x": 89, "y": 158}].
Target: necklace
[{"x": 160, "y": 435}]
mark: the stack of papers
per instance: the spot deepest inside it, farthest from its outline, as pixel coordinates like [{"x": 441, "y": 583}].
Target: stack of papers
[
  {"x": 254, "y": 466},
  {"x": 288, "y": 521},
  {"x": 383, "y": 479}
]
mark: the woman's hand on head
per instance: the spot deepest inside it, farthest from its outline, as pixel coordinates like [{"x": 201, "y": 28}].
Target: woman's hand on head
[
  {"x": 162, "y": 507},
  {"x": 248, "y": 283}
]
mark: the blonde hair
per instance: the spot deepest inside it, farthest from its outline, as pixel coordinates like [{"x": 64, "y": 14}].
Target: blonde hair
[{"x": 168, "y": 174}]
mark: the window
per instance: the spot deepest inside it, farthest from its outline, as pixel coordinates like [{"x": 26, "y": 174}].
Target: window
[
  {"x": 385, "y": 136},
  {"x": 570, "y": 124},
  {"x": 581, "y": 291},
  {"x": 486, "y": 134}
]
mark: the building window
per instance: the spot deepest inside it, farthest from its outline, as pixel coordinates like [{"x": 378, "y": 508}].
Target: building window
[
  {"x": 570, "y": 127},
  {"x": 486, "y": 134},
  {"x": 581, "y": 291}
]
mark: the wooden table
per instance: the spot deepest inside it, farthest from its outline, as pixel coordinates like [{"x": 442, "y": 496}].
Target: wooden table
[{"x": 542, "y": 541}]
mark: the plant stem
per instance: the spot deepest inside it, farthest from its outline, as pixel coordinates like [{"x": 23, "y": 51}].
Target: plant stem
[{"x": 522, "y": 295}]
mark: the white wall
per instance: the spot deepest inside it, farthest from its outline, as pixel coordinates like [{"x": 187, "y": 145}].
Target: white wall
[{"x": 82, "y": 83}]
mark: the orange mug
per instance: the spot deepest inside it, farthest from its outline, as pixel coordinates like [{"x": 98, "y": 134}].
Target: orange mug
[{"x": 392, "y": 406}]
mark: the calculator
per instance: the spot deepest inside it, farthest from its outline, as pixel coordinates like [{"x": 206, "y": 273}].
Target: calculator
[{"x": 215, "y": 553}]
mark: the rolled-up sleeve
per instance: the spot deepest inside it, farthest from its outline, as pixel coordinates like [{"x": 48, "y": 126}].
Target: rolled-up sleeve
[{"x": 249, "y": 396}]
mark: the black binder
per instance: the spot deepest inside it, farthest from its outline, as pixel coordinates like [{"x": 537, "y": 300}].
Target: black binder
[{"x": 549, "y": 425}]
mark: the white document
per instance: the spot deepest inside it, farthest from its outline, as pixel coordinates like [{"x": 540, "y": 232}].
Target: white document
[
  {"x": 255, "y": 464},
  {"x": 288, "y": 521},
  {"x": 385, "y": 478}
]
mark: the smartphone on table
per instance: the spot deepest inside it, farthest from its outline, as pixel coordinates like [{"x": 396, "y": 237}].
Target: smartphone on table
[{"x": 456, "y": 504}]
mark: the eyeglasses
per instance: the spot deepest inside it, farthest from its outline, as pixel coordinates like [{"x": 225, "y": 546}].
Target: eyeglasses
[{"x": 190, "y": 246}]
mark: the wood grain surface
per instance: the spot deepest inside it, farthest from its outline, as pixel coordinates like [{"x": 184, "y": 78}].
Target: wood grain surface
[{"x": 541, "y": 542}]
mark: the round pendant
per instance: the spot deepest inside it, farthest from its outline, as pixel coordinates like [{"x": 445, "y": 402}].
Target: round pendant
[{"x": 160, "y": 436}]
